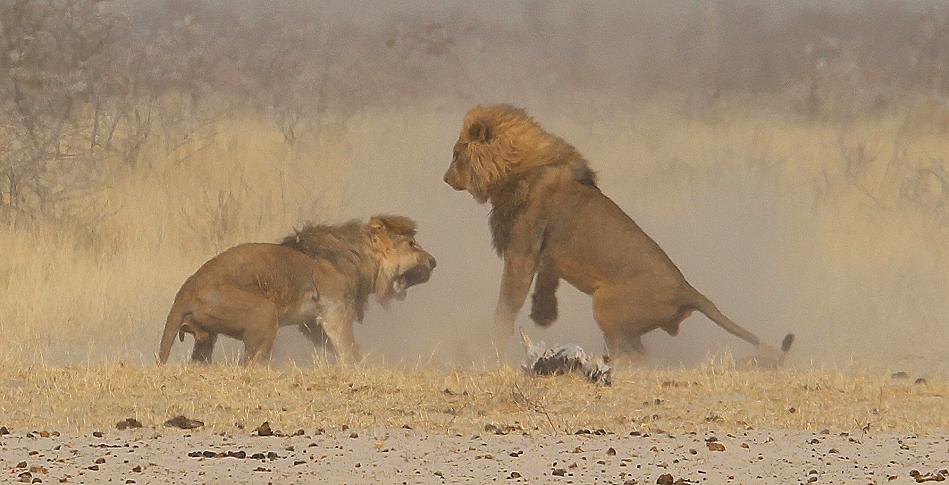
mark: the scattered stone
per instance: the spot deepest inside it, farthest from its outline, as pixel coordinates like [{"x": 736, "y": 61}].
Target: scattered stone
[
  {"x": 665, "y": 479},
  {"x": 935, "y": 476},
  {"x": 128, "y": 423},
  {"x": 899, "y": 375},
  {"x": 264, "y": 429},
  {"x": 559, "y": 472},
  {"x": 4, "y": 430},
  {"x": 611, "y": 451},
  {"x": 514, "y": 475},
  {"x": 715, "y": 446},
  {"x": 919, "y": 380},
  {"x": 97, "y": 434},
  {"x": 182, "y": 422}
]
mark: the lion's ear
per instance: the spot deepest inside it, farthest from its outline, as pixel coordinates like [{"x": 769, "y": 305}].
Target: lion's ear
[
  {"x": 479, "y": 132},
  {"x": 377, "y": 226}
]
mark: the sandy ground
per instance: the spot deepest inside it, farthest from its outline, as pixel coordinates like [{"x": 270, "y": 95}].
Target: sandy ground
[
  {"x": 408, "y": 456},
  {"x": 374, "y": 425}
]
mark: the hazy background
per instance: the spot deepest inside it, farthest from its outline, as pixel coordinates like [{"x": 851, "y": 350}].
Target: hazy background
[{"x": 790, "y": 159}]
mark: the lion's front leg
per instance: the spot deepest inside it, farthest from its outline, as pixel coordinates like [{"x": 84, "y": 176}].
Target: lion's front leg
[
  {"x": 515, "y": 284},
  {"x": 544, "y": 301},
  {"x": 338, "y": 325}
]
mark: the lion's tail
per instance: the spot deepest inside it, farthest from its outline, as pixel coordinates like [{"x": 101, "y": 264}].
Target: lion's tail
[
  {"x": 704, "y": 305},
  {"x": 175, "y": 318}
]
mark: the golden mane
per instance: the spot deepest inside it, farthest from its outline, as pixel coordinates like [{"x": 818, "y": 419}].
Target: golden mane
[{"x": 502, "y": 141}]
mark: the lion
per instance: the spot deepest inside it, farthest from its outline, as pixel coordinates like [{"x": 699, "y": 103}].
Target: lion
[
  {"x": 550, "y": 220},
  {"x": 319, "y": 278}
]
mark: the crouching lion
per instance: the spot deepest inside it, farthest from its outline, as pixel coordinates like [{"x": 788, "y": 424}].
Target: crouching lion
[
  {"x": 318, "y": 278},
  {"x": 550, "y": 219}
]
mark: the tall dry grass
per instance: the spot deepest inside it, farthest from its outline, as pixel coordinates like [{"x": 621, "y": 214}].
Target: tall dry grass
[{"x": 788, "y": 224}]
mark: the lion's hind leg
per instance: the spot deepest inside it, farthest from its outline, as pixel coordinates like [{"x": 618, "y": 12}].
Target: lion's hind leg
[
  {"x": 260, "y": 333},
  {"x": 203, "y": 346},
  {"x": 240, "y": 314}
]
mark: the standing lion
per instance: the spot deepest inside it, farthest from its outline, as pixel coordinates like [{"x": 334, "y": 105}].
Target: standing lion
[
  {"x": 550, "y": 219},
  {"x": 319, "y": 279}
]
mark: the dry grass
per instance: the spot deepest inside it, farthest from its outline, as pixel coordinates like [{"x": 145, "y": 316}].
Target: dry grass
[
  {"x": 228, "y": 398},
  {"x": 759, "y": 210},
  {"x": 756, "y": 209}
]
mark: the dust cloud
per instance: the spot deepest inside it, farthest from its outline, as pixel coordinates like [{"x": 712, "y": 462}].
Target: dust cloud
[{"x": 789, "y": 158}]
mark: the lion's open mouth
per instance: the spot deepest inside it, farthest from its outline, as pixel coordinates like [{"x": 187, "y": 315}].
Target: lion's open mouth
[{"x": 415, "y": 276}]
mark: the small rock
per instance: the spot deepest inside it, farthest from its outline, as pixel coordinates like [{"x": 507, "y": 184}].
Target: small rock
[
  {"x": 4, "y": 430},
  {"x": 559, "y": 472},
  {"x": 97, "y": 434},
  {"x": 919, "y": 380},
  {"x": 137, "y": 469},
  {"x": 264, "y": 429},
  {"x": 128, "y": 423},
  {"x": 182, "y": 422},
  {"x": 611, "y": 451},
  {"x": 94, "y": 468},
  {"x": 715, "y": 446},
  {"x": 514, "y": 475},
  {"x": 100, "y": 461},
  {"x": 665, "y": 479},
  {"x": 899, "y": 375}
]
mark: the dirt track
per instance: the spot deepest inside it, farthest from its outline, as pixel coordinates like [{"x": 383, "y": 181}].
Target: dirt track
[{"x": 409, "y": 456}]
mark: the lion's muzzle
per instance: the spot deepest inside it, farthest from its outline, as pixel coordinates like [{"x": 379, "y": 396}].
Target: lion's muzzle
[{"x": 451, "y": 178}]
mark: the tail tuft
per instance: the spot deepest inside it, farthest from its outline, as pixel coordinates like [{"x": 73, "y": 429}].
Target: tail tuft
[{"x": 786, "y": 343}]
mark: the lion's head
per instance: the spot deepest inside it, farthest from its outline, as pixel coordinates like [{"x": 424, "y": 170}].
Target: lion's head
[
  {"x": 501, "y": 141},
  {"x": 382, "y": 254},
  {"x": 402, "y": 261}
]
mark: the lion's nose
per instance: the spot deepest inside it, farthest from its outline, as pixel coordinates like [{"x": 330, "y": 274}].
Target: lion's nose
[{"x": 432, "y": 262}]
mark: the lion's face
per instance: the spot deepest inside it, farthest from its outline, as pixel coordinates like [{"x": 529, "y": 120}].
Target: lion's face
[
  {"x": 477, "y": 162},
  {"x": 403, "y": 262}
]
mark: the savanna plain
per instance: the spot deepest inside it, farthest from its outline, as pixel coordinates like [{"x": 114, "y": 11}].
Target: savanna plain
[{"x": 807, "y": 209}]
